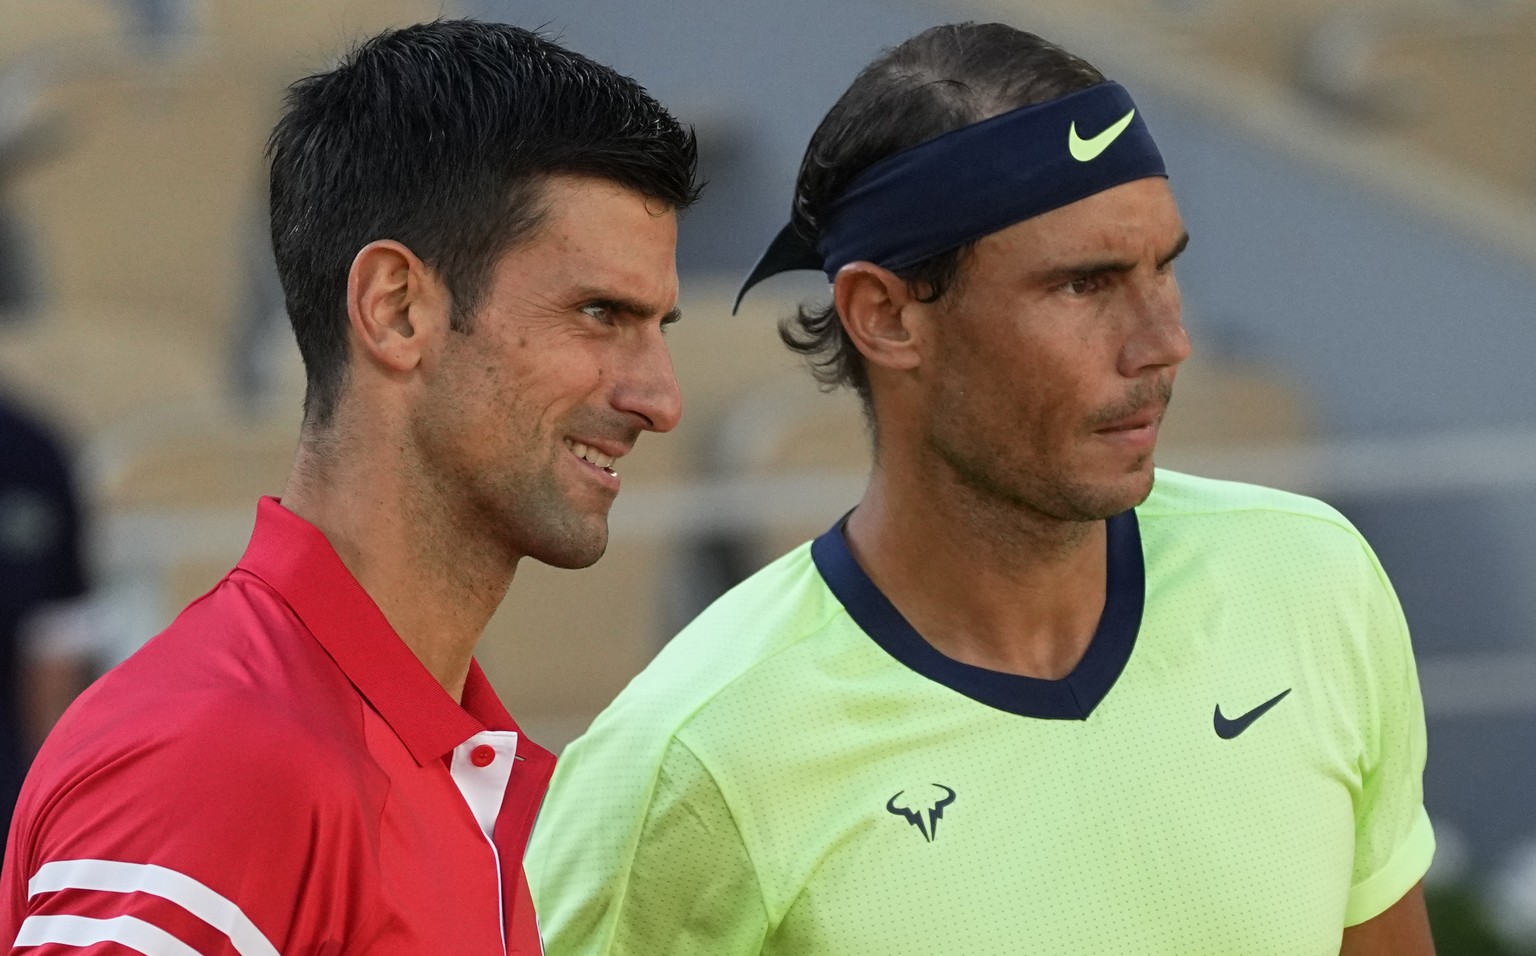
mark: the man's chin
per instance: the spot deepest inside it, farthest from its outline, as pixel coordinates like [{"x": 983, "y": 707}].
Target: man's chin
[
  {"x": 571, "y": 552},
  {"x": 1142, "y": 488},
  {"x": 1116, "y": 497},
  {"x": 1137, "y": 492}
]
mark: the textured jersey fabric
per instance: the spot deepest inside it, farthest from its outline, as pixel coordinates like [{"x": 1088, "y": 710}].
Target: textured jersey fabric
[
  {"x": 277, "y": 773},
  {"x": 1237, "y": 771}
]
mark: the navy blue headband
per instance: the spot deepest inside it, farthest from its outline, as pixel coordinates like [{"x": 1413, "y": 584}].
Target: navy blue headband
[{"x": 970, "y": 182}]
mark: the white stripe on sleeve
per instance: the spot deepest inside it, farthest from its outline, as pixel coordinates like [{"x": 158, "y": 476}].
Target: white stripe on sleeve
[
  {"x": 135, "y": 934},
  {"x": 110, "y": 876}
]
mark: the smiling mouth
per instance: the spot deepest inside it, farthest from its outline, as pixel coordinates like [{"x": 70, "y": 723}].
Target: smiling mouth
[{"x": 592, "y": 456}]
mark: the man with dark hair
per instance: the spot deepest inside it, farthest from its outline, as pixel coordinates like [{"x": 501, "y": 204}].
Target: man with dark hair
[
  {"x": 1019, "y": 700},
  {"x": 476, "y": 234}
]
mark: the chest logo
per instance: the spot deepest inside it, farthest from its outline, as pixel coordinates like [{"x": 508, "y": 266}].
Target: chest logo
[
  {"x": 1227, "y": 728},
  {"x": 924, "y": 811}
]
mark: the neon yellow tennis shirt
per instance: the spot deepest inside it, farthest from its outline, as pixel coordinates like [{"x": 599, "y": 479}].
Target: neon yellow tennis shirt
[{"x": 1234, "y": 767}]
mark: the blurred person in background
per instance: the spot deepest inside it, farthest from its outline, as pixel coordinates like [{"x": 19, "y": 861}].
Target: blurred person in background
[
  {"x": 1022, "y": 698},
  {"x": 476, "y": 234},
  {"x": 48, "y": 650}
]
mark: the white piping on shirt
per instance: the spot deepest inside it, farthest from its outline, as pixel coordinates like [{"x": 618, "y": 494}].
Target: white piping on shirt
[
  {"x": 137, "y": 935},
  {"x": 484, "y": 789},
  {"x": 110, "y": 876}
]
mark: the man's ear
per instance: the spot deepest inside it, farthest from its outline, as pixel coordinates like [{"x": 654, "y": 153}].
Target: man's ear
[
  {"x": 397, "y": 307},
  {"x": 875, "y": 306}
]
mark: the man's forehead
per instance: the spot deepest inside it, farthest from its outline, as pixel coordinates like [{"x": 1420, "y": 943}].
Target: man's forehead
[
  {"x": 1139, "y": 213},
  {"x": 561, "y": 197},
  {"x": 1139, "y": 206},
  {"x": 599, "y": 239}
]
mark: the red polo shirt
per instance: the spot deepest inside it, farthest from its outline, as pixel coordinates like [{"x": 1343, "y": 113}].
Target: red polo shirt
[{"x": 277, "y": 773}]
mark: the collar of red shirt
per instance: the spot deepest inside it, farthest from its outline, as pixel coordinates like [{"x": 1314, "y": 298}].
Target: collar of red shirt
[{"x": 294, "y": 558}]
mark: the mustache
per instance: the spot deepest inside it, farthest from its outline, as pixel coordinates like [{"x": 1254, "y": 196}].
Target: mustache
[
  {"x": 1158, "y": 392},
  {"x": 595, "y": 426}
]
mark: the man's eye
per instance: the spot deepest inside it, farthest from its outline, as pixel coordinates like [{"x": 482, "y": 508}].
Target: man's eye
[
  {"x": 1082, "y": 285},
  {"x": 599, "y": 312}
]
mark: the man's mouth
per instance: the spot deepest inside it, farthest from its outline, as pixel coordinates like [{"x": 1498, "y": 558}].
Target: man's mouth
[
  {"x": 592, "y": 455},
  {"x": 1144, "y": 408},
  {"x": 1143, "y": 418}
]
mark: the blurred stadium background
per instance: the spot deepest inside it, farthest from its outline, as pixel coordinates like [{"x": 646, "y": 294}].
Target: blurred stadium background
[{"x": 1359, "y": 177}]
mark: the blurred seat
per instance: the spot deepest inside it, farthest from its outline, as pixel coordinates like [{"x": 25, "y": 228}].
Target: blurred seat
[
  {"x": 212, "y": 459},
  {"x": 174, "y": 496}
]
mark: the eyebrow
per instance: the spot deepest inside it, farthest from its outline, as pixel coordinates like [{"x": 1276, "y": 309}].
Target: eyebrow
[
  {"x": 1110, "y": 266},
  {"x": 1178, "y": 250},
  {"x": 631, "y": 307}
]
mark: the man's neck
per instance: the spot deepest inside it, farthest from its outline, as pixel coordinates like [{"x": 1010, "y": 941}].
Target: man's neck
[
  {"x": 995, "y": 588},
  {"x": 437, "y": 592}
]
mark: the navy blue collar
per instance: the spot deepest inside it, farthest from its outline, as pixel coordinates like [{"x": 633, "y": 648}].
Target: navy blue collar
[{"x": 1072, "y": 698}]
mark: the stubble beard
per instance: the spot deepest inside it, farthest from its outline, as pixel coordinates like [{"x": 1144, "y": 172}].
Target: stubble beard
[
  {"x": 532, "y": 516},
  {"x": 477, "y": 516},
  {"x": 996, "y": 486},
  {"x": 1010, "y": 492}
]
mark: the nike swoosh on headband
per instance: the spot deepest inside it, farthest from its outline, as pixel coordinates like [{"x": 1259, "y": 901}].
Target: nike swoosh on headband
[{"x": 1087, "y": 150}]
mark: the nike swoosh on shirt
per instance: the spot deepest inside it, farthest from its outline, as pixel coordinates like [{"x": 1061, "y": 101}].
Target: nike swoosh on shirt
[
  {"x": 1084, "y": 150},
  {"x": 1227, "y": 728}
]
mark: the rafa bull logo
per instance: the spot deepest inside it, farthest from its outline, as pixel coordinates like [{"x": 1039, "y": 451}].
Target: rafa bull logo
[{"x": 923, "y": 814}]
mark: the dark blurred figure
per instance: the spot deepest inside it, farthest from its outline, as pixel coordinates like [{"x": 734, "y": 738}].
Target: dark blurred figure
[
  {"x": 45, "y": 638},
  {"x": 45, "y": 655}
]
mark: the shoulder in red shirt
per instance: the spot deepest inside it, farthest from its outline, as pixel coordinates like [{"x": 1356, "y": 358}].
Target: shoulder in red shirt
[{"x": 277, "y": 772}]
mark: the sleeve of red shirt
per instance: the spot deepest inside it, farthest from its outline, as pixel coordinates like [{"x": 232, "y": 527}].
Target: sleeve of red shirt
[{"x": 234, "y": 845}]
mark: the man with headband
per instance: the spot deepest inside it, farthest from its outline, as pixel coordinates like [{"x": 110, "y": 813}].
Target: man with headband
[{"x": 1019, "y": 700}]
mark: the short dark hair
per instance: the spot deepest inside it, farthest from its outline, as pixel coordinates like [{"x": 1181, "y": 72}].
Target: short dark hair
[
  {"x": 440, "y": 136},
  {"x": 943, "y": 79}
]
